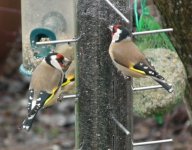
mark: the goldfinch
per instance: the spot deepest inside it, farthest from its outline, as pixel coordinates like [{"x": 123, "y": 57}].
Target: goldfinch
[
  {"x": 45, "y": 86},
  {"x": 129, "y": 60}
]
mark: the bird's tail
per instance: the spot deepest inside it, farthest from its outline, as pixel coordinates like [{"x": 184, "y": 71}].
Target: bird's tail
[
  {"x": 27, "y": 123},
  {"x": 159, "y": 79}
]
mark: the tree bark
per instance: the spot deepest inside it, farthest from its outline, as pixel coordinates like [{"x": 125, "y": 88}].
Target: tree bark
[{"x": 177, "y": 14}]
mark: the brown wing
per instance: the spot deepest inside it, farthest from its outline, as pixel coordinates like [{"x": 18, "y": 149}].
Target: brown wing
[
  {"x": 45, "y": 78},
  {"x": 126, "y": 53}
]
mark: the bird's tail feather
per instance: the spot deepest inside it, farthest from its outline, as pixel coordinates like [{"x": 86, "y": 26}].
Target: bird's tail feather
[
  {"x": 164, "y": 84},
  {"x": 27, "y": 123}
]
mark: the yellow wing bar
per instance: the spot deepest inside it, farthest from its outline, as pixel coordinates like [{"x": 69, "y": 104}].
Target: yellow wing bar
[
  {"x": 51, "y": 96},
  {"x": 136, "y": 70}
]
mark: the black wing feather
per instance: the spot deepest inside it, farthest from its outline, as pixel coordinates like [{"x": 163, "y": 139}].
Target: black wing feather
[{"x": 43, "y": 96}]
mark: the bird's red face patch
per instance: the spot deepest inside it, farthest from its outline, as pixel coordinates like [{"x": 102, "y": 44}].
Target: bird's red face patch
[
  {"x": 60, "y": 59},
  {"x": 115, "y": 27}
]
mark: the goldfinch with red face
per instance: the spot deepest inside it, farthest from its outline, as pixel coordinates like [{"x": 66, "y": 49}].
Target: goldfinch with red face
[
  {"x": 129, "y": 60},
  {"x": 45, "y": 86}
]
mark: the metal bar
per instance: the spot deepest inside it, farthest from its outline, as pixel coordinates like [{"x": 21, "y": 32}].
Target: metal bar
[
  {"x": 58, "y": 41},
  {"x": 153, "y": 142},
  {"x": 69, "y": 96},
  {"x": 146, "y": 88},
  {"x": 117, "y": 11},
  {"x": 120, "y": 125},
  {"x": 113, "y": 142},
  {"x": 152, "y": 31}
]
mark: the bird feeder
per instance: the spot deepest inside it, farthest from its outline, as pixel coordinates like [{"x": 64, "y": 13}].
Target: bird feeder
[
  {"x": 104, "y": 97},
  {"x": 45, "y": 21}
]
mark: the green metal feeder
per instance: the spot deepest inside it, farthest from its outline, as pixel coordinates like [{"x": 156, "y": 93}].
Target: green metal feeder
[{"x": 39, "y": 34}]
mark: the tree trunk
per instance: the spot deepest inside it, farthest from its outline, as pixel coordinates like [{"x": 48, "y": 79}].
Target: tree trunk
[{"x": 177, "y": 14}]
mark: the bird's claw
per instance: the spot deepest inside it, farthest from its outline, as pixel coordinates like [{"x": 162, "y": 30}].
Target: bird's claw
[{"x": 59, "y": 100}]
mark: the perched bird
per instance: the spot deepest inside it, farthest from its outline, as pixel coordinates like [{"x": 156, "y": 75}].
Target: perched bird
[
  {"x": 45, "y": 85},
  {"x": 129, "y": 60}
]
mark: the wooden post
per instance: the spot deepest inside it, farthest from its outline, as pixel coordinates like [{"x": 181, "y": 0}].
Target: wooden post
[{"x": 102, "y": 91}]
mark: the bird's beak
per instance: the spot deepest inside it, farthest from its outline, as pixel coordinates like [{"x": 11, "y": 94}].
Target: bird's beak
[
  {"x": 110, "y": 28},
  {"x": 66, "y": 62}
]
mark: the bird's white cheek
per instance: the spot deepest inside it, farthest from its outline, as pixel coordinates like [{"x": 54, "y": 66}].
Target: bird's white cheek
[
  {"x": 116, "y": 35},
  {"x": 56, "y": 64}
]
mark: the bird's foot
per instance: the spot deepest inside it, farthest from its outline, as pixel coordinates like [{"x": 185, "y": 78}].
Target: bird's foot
[{"x": 59, "y": 99}]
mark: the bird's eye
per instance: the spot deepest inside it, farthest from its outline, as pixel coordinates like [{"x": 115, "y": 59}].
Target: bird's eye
[{"x": 60, "y": 60}]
